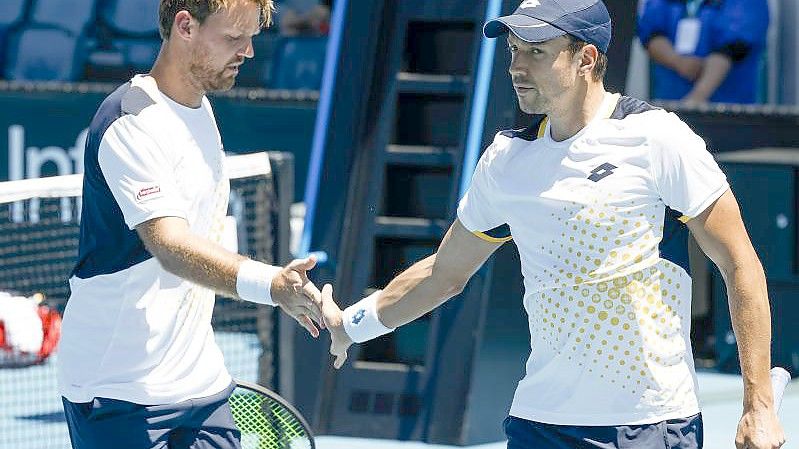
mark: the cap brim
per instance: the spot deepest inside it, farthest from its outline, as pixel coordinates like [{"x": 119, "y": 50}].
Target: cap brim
[{"x": 526, "y": 28}]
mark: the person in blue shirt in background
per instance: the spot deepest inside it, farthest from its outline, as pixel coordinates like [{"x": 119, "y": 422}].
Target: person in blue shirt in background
[
  {"x": 705, "y": 50},
  {"x": 302, "y": 17}
]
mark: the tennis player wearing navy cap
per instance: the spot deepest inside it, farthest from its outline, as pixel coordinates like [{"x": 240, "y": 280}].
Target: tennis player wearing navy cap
[{"x": 589, "y": 192}]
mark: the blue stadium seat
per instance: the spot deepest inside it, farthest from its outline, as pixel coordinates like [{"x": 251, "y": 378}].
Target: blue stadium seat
[
  {"x": 121, "y": 59},
  {"x": 258, "y": 71},
  {"x": 132, "y": 17},
  {"x": 139, "y": 54},
  {"x": 43, "y": 54},
  {"x": 71, "y": 15},
  {"x": 12, "y": 12},
  {"x": 132, "y": 42},
  {"x": 299, "y": 63},
  {"x": 133, "y": 53}
]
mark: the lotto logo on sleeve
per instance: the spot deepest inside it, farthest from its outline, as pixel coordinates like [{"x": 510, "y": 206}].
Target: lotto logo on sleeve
[{"x": 148, "y": 193}]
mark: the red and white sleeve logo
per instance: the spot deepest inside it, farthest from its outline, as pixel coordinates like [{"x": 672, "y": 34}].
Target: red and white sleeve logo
[{"x": 148, "y": 193}]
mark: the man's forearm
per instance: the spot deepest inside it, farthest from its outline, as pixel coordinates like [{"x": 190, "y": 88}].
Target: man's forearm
[
  {"x": 416, "y": 291},
  {"x": 202, "y": 262},
  {"x": 751, "y": 320},
  {"x": 425, "y": 285},
  {"x": 662, "y": 52},
  {"x": 717, "y": 67}
]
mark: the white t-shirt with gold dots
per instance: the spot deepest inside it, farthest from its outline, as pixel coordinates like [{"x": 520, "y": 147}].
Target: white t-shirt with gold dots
[{"x": 609, "y": 313}]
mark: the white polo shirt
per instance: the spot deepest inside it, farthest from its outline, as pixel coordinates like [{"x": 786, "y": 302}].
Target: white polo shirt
[
  {"x": 609, "y": 313},
  {"x": 132, "y": 330}
]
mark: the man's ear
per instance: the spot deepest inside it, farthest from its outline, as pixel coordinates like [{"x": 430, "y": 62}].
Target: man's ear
[
  {"x": 589, "y": 55},
  {"x": 184, "y": 25}
]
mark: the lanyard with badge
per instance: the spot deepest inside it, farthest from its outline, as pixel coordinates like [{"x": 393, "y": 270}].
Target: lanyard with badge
[{"x": 689, "y": 29}]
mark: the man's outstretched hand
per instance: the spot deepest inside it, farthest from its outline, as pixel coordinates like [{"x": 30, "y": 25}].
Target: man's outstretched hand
[
  {"x": 293, "y": 292},
  {"x": 332, "y": 317}
]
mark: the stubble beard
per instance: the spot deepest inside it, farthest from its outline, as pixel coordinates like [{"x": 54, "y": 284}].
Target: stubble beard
[
  {"x": 533, "y": 106},
  {"x": 207, "y": 77}
]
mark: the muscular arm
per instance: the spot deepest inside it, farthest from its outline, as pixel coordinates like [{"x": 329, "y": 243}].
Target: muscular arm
[
  {"x": 721, "y": 234},
  {"x": 433, "y": 280},
  {"x": 419, "y": 289},
  {"x": 190, "y": 256},
  {"x": 206, "y": 263}
]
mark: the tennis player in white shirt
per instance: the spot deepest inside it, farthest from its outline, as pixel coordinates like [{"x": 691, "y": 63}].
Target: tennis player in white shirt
[{"x": 587, "y": 192}]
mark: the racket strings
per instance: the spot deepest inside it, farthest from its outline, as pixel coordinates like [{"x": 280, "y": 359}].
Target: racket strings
[{"x": 266, "y": 424}]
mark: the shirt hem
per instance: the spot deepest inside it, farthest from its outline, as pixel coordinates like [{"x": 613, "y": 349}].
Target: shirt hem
[
  {"x": 134, "y": 392},
  {"x": 620, "y": 419}
]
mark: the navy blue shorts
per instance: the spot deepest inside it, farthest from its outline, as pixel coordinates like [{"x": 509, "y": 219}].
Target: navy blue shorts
[
  {"x": 204, "y": 423},
  {"x": 684, "y": 433}
]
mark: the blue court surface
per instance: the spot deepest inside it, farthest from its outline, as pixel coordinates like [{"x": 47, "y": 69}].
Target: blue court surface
[
  {"x": 720, "y": 395},
  {"x": 31, "y": 416}
]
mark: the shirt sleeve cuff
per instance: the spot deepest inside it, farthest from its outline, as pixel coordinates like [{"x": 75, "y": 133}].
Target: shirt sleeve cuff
[
  {"x": 645, "y": 42},
  {"x": 701, "y": 207},
  {"x": 737, "y": 51},
  {"x": 139, "y": 218}
]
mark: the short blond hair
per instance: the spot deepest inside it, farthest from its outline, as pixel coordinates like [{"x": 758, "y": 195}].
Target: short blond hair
[{"x": 201, "y": 9}]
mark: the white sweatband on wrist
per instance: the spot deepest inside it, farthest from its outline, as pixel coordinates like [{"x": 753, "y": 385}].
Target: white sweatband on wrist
[
  {"x": 361, "y": 322},
  {"x": 254, "y": 282}
]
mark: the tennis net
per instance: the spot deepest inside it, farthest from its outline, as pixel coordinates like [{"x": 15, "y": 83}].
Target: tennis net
[{"x": 39, "y": 229}]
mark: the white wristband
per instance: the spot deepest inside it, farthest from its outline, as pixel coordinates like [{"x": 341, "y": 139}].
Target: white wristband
[
  {"x": 254, "y": 282},
  {"x": 361, "y": 322}
]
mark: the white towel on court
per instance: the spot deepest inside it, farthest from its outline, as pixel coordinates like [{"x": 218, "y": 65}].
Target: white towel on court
[{"x": 23, "y": 326}]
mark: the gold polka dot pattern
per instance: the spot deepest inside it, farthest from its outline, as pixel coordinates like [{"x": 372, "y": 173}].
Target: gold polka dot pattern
[{"x": 608, "y": 303}]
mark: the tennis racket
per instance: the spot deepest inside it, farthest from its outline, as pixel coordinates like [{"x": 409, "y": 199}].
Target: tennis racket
[{"x": 267, "y": 421}]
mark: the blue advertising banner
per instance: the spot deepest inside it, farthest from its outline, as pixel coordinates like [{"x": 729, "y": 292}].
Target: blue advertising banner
[{"x": 44, "y": 127}]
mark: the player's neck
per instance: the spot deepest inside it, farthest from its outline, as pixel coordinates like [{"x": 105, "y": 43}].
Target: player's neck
[
  {"x": 576, "y": 113},
  {"x": 174, "y": 81}
]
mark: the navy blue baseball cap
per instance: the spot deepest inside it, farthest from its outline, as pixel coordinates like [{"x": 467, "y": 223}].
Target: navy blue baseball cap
[{"x": 542, "y": 20}]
